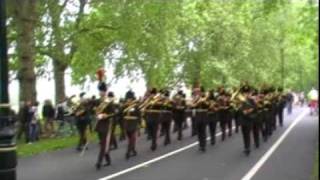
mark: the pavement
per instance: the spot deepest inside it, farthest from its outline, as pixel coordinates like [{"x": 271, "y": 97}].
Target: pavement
[{"x": 288, "y": 155}]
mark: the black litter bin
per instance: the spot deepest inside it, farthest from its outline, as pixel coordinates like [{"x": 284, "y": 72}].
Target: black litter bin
[{"x": 8, "y": 156}]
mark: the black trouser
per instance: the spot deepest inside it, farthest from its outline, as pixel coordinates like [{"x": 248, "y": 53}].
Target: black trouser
[
  {"x": 249, "y": 126},
  {"x": 103, "y": 152},
  {"x": 280, "y": 115},
  {"x": 201, "y": 126},
  {"x": 274, "y": 118},
  {"x": 178, "y": 122},
  {"x": 132, "y": 136},
  {"x": 223, "y": 123},
  {"x": 23, "y": 129},
  {"x": 152, "y": 119},
  {"x": 113, "y": 139},
  {"x": 269, "y": 124},
  {"x": 193, "y": 126},
  {"x": 229, "y": 121},
  {"x": 236, "y": 120},
  {"x": 166, "y": 119},
  {"x": 82, "y": 126},
  {"x": 256, "y": 129},
  {"x": 264, "y": 125},
  {"x": 122, "y": 129},
  {"x": 212, "y": 122},
  {"x": 131, "y": 128}
]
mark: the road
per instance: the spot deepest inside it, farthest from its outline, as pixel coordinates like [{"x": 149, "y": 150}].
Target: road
[{"x": 288, "y": 155}]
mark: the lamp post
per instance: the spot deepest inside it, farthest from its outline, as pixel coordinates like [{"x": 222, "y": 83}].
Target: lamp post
[{"x": 8, "y": 157}]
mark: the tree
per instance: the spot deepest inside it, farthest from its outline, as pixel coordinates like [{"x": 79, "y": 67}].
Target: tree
[{"x": 26, "y": 18}]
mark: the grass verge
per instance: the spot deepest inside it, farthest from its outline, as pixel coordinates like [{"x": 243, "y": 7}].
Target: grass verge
[{"x": 48, "y": 145}]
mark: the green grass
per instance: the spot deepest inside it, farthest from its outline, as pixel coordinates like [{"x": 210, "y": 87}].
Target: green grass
[{"x": 48, "y": 145}]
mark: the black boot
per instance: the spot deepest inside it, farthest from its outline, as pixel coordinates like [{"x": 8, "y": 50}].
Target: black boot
[
  {"x": 247, "y": 152},
  {"x": 213, "y": 142},
  {"x": 202, "y": 149},
  {"x": 108, "y": 160},
  {"x": 153, "y": 147},
  {"x": 134, "y": 153},
  {"x": 98, "y": 166},
  {"x": 127, "y": 155}
]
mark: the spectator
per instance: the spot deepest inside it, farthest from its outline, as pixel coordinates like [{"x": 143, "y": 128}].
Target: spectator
[
  {"x": 33, "y": 122},
  {"x": 22, "y": 127},
  {"x": 301, "y": 99},
  {"x": 313, "y": 100},
  {"x": 48, "y": 113},
  {"x": 290, "y": 99}
]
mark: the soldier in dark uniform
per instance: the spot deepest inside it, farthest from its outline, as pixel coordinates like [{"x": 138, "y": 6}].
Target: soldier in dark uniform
[
  {"x": 281, "y": 103},
  {"x": 200, "y": 107},
  {"x": 120, "y": 118},
  {"x": 228, "y": 113},
  {"x": 274, "y": 108},
  {"x": 179, "y": 112},
  {"x": 247, "y": 116},
  {"x": 116, "y": 119},
  {"x": 258, "y": 117},
  {"x": 104, "y": 116},
  {"x": 166, "y": 116},
  {"x": 148, "y": 95},
  {"x": 235, "y": 114},
  {"x": 223, "y": 113},
  {"x": 193, "y": 122},
  {"x": 131, "y": 117},
  {"x": 105, "y": 112},
  {"x": 152, "y": 111},
  {"x": 212, "y": 116},
  {"x": 262, "y": 115},
  {"x": 82, "y": 116}
]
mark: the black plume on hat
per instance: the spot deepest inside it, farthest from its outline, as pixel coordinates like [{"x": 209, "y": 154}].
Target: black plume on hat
[
  {"x": 111, "y": 94},
  {"x": 166, "y": 93},
  {"x": 130, "y": 95},
  {"x": 180, "y": 92},
  {"x": 154, "y": 91},
  {"x": 102, "y": 86},
  {"x": 82, "y": 94}
]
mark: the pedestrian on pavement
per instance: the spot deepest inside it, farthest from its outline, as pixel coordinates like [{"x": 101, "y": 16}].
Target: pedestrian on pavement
[
  {"x": 313, "y": 100},
  {"x": 290, "y": 99},
  {"x": 33, "y": 123}
]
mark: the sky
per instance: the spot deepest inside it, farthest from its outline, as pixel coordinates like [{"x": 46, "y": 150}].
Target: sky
[{"x": 45, "y": 88}]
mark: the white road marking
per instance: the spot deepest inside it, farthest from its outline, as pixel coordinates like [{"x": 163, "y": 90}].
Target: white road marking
[
  {"x": 265, "y": 157},
  {"x": 144, "y": 164}
]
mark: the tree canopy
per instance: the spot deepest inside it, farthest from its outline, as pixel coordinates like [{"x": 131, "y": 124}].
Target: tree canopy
[{"x": 207, "y": 42}]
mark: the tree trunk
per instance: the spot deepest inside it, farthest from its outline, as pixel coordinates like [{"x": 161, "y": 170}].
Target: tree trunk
[
  {"x": 59, "y": 82},
  {"x": 25, "y": 14}
]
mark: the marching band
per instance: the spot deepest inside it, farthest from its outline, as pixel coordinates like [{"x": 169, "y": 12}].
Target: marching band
[{"x": 253, "y": 111}]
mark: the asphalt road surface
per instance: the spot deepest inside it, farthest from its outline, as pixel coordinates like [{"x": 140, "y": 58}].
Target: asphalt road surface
[{"x": 288, "y": 155}]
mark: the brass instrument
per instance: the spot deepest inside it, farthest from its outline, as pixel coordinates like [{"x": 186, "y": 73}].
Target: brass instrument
[
  {"x": 130, "y": 105},
  {"x": 199, "y": 101},
  {"x": 149, "y": 101},
  {"x": 237, "y": 99},
  {"x": 78, "y": 108},
  {"x": 101, "y": 108},
  {"x": 213, "y": 105}
]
